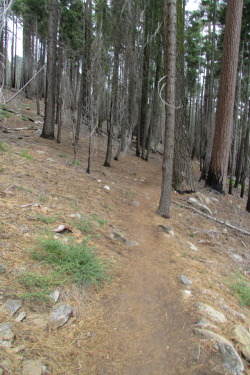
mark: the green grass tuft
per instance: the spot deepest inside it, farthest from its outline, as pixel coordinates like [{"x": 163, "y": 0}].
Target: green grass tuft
[
  {"x": 242, "y": 288},
  {"x": 63, "y": 155},
  {"x": 3, "y": 147},
  {"x": 98, "y": 219},
  {"x": 25, "y": 154},
  {"x": 77, "y": 262},
  {"x": 76, "y": 162},
  {"x": 5, "y": 113},
  {"x": 84, "y": 225}
]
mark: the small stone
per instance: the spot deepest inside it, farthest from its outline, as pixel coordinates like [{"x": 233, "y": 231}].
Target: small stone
[
  {"x": 118, "y": 236},
  {"x": 207, "y": 334},
  {"x": 242, "y": 336},
  {"x": 32, "y": 367},
  {"x": 60, "y": 315},
  {"x": 166, "y": 229},
  {"x": 236, "y": 258},
  {"x": 184, "y": 280},
  {"x": 99, "y": 180},
  {"x": 197, "y": 352},
  {"x": 192, "y": 247},
  {"x": 231, "y": 359},
  {"x": 21, "y": 316},
  {"x": 40, "y": 152},
  {"x": 13, "y": 305},
  {"x": 51, "y": 160},
  {"x": 213, "y": 314},
  {"x": 55, "y": 295},
  {"x": 6, "y": 334},
  {"x": 106, "y": 187},
  {"x": 132, "y": 243},
  {"x": 135, "y": 203},
  {"x": 203, "y": 323},
  {"x": 40, "y": 321},
  {"x": 186, "y": 293}
]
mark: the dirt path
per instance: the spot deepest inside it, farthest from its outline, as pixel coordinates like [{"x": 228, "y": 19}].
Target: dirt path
[{"x": 150, "y": 329}]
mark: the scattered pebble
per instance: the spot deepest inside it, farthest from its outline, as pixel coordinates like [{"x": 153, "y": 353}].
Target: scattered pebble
[
  {"x": 21, "y": 317},
  {"x": 60, "y": 315},
  {"x": 106, "y": 187},
  {"x": 185, "y": 280}
]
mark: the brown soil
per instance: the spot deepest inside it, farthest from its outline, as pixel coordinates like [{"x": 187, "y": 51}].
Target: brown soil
[{"x": 138, "y": 323}]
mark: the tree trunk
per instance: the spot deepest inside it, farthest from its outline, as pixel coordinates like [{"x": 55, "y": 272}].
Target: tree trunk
[
  {"x": 248, "y": 199},
  {"x": 224, "y": 117},
  {"x": 49, "y": 120},
  {"x": 170, "y": 72}
]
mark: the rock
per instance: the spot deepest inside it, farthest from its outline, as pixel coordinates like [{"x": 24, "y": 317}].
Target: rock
[
  {"x": 231, "y": 359},
  {"x": 32, "y": 367},
  {"x": 192, "y": 247},
  {"x": 200, "y": 206},
  {"x": 209, "y": 311},
  {"x": 60, "y": 315},
  {"x": 236, "y": 257},
  {"x": 207, "y": 334},
  {"x": 13, "y": 305},
  {"x": 186, "y": 294},
  {"x": 55, "y": 295},
  {"x": 6, "y": 334},
  {"x": 119, "y": 236},
  {"x": 106, "y": 187},
  {"x": 40, "y": 321},
  {"x": 38, "y": 132},
  {"x": 234, "y": 312},
  {"x": 197, "y": 352},
  {"x": 135, "y": 203},
  {"x": 20, "y": 317},
  {"x": 184, "y": 280},
  {"x": 132, "y": 243},
  {"x": 166, "y": 229},
  {"x": 242, "y": 336},
  {"x": 203, "y": 323}
]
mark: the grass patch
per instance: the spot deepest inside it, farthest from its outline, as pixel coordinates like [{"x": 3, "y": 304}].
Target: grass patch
[
  {"x": 98, "y": 220},
  {"x": 25, "y": 154},
  {"x": 242, "y": 288},
  {"x": 38, "y": 287},
  {"x": 77, "y": 263},
  {"x": 76, "y": 163},
  {"x": 3, "y": 147},
  {"x": 192, "y": 235},
  {"x": 84, "y": 225},
  {"x": 24, "y": 118},
  {"x": 5, "y": 113},
  {"x": 46, "y": 219},
  {"x": 63, "y": 155}
]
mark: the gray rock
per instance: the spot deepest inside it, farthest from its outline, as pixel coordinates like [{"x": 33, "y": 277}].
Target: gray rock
[
  {"x": 21, "y": 316},
  {"x": 236, "y": 257},
  {"x": 166, "y": 229},
  {"x": 135, "y": 203},
  {"x": 132, "y": 243},
  {"x": 184, "y": 280},
  {"x": 234, "y": 312},
  {"x": 203, "y": 323},
  {"x": 200, "y": 206},
  {"x": 192, "y": 246},
  {"x": 197, "y": 352},
  {"x": 6, "y": 334},
  {"x": 210, "y": 312},
  {"x": 13, "y": 305},
  {"x": 32, "y": 367},
  {"x": 207, "y": 334},
  {"x": 186, "y": 294},
  {"x": 242, "y": 336},
  {"x": 40, "y": 321},
  {"x": 231, "y": 359},
  {"x": 60, "y": 315},
  {"x": 120, "y": 237},
  {"x": 55, "y": 295}
]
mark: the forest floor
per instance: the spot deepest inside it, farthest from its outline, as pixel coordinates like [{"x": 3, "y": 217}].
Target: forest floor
[{"x": 140, "y": 321}]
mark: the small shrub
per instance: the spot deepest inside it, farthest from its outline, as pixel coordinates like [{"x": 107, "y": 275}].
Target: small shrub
[
  {"x": 63, "y": 155},
  {"x": 75, "y": 162},
  {"x": 38, "y": 287},
  {"x": 25, "y": 154},
  {"x": 84, "y": 225},
  {"x": 77, "y": 262}
]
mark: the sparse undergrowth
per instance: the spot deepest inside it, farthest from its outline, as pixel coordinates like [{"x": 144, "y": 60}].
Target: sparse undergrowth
[{"x": 242, "y": 288}]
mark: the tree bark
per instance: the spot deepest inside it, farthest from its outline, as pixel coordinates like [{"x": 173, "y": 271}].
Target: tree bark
[
  {"x": 170, "y": 72},
  {"x": 224, "y": 117}
]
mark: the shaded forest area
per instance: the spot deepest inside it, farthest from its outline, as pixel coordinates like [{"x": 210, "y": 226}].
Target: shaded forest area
[{"x": 100, "y": 66}]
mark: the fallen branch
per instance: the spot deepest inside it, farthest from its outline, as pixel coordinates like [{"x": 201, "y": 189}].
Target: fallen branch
[{"x": 227, "y": 224}]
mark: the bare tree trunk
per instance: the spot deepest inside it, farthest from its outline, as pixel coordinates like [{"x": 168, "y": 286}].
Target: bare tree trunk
[
  {"x": 224, "y": 117},
  {"x": 170, "y": 72}
]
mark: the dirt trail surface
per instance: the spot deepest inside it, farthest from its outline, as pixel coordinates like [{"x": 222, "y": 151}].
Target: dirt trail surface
[{"x": 139, "y": 322}]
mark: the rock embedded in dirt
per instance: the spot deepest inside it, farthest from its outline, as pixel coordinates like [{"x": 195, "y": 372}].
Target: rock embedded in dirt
[
  {"x": 32, "y": 367},
  {"x": 185, "y": 280},
  {"x": 55, "y": 295},
  {"x": 6, "y": 334},
  {"x": 203, "y": 323},
  {"x": 242, "y": 336},
  {"x": 200, "y": 206},
  {"x": 119, "y": 236},
  {"x": 40, "y": 321},
  {"x": 60, "y": 315},
  {"x": 21, "y": 317},
  {"x": 192, "y": 246},
  {"x": 186, "y": 294},
  {"x": 167, "y": 229},
  {"x": 197, "y": 352},
  {"x": 12, "y": 306},
  {"x": 207, "y": 334},
  {"x": 236, "y": 257},
  {"x": 135, "y": 203},
  {"x": 234, "y": 312},
  {"x": 231, "y": 359},
  {"x": 210, "y": 312}
]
